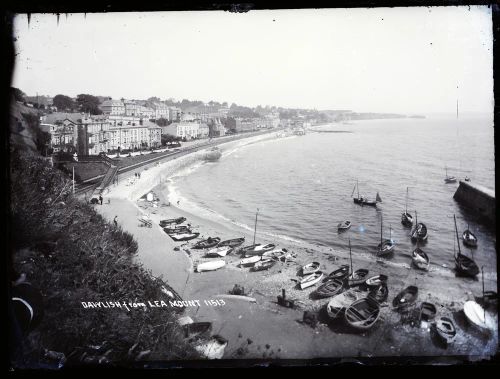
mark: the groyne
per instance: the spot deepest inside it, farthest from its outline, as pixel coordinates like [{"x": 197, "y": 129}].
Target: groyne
[{"x": 478, "y": 200}]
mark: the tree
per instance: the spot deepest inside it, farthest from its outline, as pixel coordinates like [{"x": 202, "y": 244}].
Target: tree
[
  {"x": 88, "y": 104},
  {"x": 154, "y": 99},
  {"x": 162, "y": 122},
  {"x": 63, "y": 103},
  {"x": 18, "y": 94}
]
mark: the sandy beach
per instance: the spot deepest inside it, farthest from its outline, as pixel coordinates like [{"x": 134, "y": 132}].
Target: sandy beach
[{"x": 266, "y": 330}]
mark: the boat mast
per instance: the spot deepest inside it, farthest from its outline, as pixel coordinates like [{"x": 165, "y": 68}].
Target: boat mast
[
  {"x": 357, "y": 186},
  {"x": 255, "y": 229},
  {"x": 381, "y": 223},
  {"x": 456, "y": 231},
  {"x": 406, "y": 203},
  {"x": 350, "y": 256},
  {"x": 484, "y": 305}
]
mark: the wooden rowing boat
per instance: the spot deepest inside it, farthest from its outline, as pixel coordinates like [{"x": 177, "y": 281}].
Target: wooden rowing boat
[
  {"x": 310, "y": 268},
  {"x": 357, "y": 277},
  {"x": 340, "y": 302},
  {"x": 206, "y": 243},
  {"x": 330, "y": 288},
  {"x": 376, "y": 280},
  {"x": 183, "y": 236},
  {"x": 445, "y": 330},
  {"x": 210, "y": 266},
  {"x": 178, "y": 220},
  {"x": 405, "y": 298},
  {"x": 420, "y": 259},
  {"x": 257, "y": 249},
  {"x": 311, "y": 280},
  {"x": 341, "y": 273},
  {"x": 363, "y": 313},
  {"x": 235, "y": 242},
  {"x": 263, "y": 265},
  {"x": 427, "y": 311},
  {"x": 250, "y": 260}
]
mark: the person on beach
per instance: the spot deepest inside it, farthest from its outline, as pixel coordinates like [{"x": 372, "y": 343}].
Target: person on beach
[
  {"x": 115, "y": 221},
  {"x": 100, "y": 199},
  {"x": 178, "y": 202}
]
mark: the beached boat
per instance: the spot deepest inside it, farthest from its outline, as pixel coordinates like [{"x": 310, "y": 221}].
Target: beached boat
[
  {"x": 250, "y": 260},
  {"x": 376, "y": 280},
  {"x": 405, "y": 298},
  {"x": 257, "y": 249},
  {"x": 340, "y": 302},
  {"x": 469, "y": 238},
  {"x": 463, "y": 264},
  {"x": 196, "y": 330},
  {"x": 419, "y": 233},
  {"x": 420, "y": 259},
  {"x": 178, "y": 220},
  {"x": 207, "y": 243},
  {"x": 310, "y": 268},
  {"x": 363, "y": 313},
  {"x": 379, "y": 293},
  {"x": 210, "y": 266},
  {"x": 341, "y": 273},
  {"x": 311, "y": 280},
  {"x": 183, "y": 236},
  {"x": 445, "y": 330},
  {"x": 364, "y": 201},
  {"x": 449, "y": 179},
  {"x": 180, "y": 229},
  {"x": 330, "y": 288},
  {"x": 279, "y": 254},
  {"x": 265, "y": 264},
  {"x": 406, "y": 217},
  {"x": 476, "y": 315},
  {"x": 219, "y": 251},
  {"x": 385, "y": 247},
  {"x": 357, "y": 277},
  {"x": 344, "y": 225},
  {"x": 427, "y": 311},
  {"x": 232, "y": 243}
]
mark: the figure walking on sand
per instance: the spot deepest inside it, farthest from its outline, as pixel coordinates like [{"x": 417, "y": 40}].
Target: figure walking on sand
[
  {"x": 115, "y": 221},
  {"x": 100, "y": 199}
]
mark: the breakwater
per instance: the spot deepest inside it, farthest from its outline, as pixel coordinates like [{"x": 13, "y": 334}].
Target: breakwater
[{"x": 478, "y": 200}]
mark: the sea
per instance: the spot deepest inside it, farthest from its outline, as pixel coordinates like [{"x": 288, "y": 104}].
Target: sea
[{"x": 300, "y": 187}]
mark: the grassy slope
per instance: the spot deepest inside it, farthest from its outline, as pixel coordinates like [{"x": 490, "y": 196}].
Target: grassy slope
[{"x": 72, "y": 254}]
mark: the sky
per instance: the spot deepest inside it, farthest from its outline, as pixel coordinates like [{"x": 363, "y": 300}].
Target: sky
[{"x": 398, "y": 60}]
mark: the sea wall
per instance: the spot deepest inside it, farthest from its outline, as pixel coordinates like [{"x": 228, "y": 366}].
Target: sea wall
[{"x": 478, "y": 200}]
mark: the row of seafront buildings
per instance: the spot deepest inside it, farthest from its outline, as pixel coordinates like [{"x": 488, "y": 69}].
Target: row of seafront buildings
[{"x": 129, "y": 125}]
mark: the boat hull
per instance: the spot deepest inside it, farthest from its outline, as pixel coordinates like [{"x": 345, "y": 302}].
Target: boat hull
[{"x": 362, "y": 314}]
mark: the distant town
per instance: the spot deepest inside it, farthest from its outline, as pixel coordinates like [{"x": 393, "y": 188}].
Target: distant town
[{"x": 93, "y": 125}]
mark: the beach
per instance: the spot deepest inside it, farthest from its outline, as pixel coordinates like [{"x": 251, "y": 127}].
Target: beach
[{"x": 263, "y": 329}]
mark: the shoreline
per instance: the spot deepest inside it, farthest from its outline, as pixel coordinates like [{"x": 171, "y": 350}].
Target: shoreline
[{"x": 284, "y": 330}]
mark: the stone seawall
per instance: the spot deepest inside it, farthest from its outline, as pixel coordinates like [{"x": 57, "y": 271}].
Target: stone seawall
[{"x": 478, "y": 199}]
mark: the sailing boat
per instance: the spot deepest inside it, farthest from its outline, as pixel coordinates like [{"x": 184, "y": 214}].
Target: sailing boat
[
  {"x": 449, "y": 179},
  {"x": 406, "y": 218},
  {"x": 385, "y": 246},
  {"x": 365, "y": 201},
  {"x": 419, "y": 233},
  {"x": 464, "y": 265},
  {"x": 356, "y": 277}
]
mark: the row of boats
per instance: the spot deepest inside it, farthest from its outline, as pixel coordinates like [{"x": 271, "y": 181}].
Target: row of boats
[{"x": 419, "y": 234}]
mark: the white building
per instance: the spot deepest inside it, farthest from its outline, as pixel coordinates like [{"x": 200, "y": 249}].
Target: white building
[{"x": 113, "y": 107}]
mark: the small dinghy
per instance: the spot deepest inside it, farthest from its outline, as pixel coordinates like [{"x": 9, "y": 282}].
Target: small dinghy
[
  {"x": 420, "y": 259},
  {"x": 207, "y": 243},
  {"x": 379, "y": 293},
  {"x": 311, "y": 280},
  {"x": 476, "y": 315},
  {"x": 180, "y": 229},
  {"x": 214, "y": 348},
  {"x": 257, "y": 249},
  {"x": 263, "y": 265},
  {"x": 377, "y": 280},
  {"x": 419, "y": 233},
  {"x": 279, "y": 254},
  {"x": 466, "y": 266},
  {"x": 363, "y": 313},
  {"x": 330, "y": 288},
  {"x": 197, "y": 329},
  {"x": 405, "y": 298},
  {"x": 232, "y": 243},
  {"x": 406, "y": 219},
  {"x": 210, "y": 266},
  {"x": 250, "y": 260},
  {"x": 445, "y": 330},
  {"x": 178, "y": 220},
  {"x": 427, "y": 311},
  {"x": 344, "y": 225},
  {"x": 183, "y": 236},
  {"x": 341, "y": 273},
  {"x": 469, "y": 238},
  {"x": 340, "y": 302},
  {"x": 310, "y": 268},
  {"x": 219, "y": 251},
  {"x": 357, "y": 277},
  {"x": 449, "y": 179}
]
